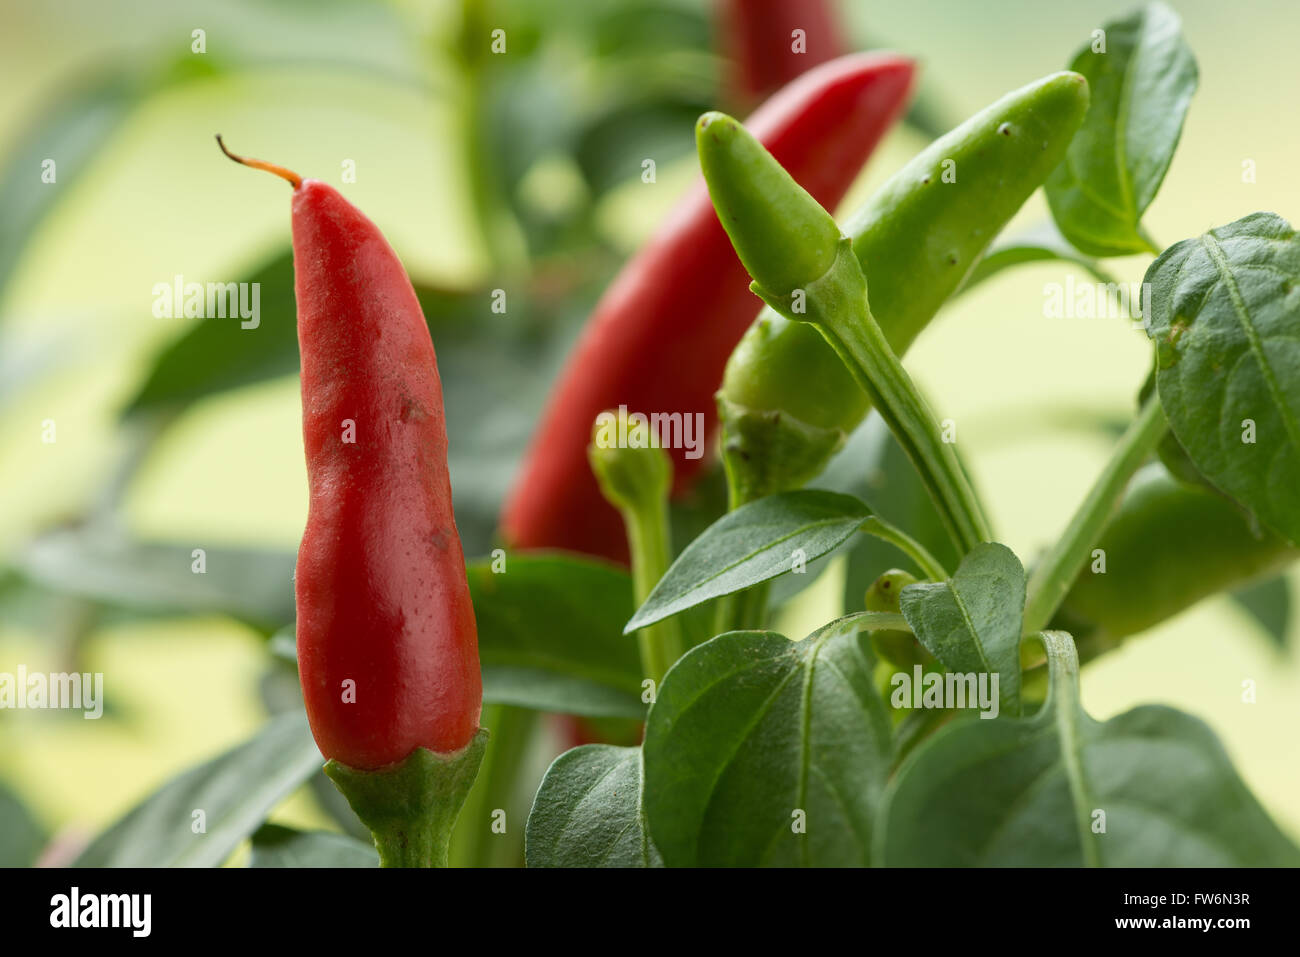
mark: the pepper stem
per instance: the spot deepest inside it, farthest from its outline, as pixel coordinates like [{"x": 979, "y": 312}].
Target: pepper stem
[
  {"x": 635, "y": 474},
  {"x": 1051, "y": 580},
  {"x": 286, "y": 174},
  {"x": 412, "y": 806}
]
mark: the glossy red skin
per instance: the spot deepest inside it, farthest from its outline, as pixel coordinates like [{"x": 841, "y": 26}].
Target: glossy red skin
[
  {"x": 756, "y": 36},
  {"x": 381, "y": 589},
  {"x": 659, "y": 339}
]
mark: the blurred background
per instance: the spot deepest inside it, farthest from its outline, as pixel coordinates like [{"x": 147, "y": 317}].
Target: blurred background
[{"x": 519, "y": 171}]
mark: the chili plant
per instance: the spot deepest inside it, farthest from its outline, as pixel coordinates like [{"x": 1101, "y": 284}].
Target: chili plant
[
  {"x": 942, "y": 724},
  {"x": 936, "y": 718}
]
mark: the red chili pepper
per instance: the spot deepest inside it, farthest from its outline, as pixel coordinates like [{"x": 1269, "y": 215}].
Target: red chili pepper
[
  {"x": 659, "y": 339},
  {"x": 387, "y": 645},
  {"x": 759, "y": 39}
]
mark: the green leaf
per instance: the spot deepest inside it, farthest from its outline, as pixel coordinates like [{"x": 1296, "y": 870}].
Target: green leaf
[
  {"x": 1141, "y": 88},
  {"x": 971, "y": 622},
  {"x": 1269, "y": 603},
  {"x": 21, "y": 836},
  {"x": 1226, "y": 323},
  {"x": 69, "y": 132},
  {"x": 253, "y": 585},
  {"x": 755, "y": 543},
  {"x": 219, "y": 354},
  {"x": 1027, "y": 791},
  {"x": 276, "y": 846},
  {"x": 550, "y": 636},
  {"x": 235, "y": 791},
  {"x": 764, "y": 751},
  {"x": 1042, "y": 243},
  {"x": 588, "y": 812}
]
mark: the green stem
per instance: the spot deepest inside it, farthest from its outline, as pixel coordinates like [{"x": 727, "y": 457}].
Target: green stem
[
  {"x": 474, "y": 843},
  {"x": 743, "y": 610},
  {"x": 502, "y": 239},
  {"x": 837, "y": 306},
  {"x": 909, "y": 546},
  {"x": 661, "y": 644},
  {"x": 1051, "y": 580}
]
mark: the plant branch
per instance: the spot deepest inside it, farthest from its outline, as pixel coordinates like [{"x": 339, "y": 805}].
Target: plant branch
[{"x": 1051, "y": 580}]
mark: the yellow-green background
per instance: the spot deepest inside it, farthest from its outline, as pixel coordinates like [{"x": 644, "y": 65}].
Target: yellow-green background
[{"x": 159, "y": 200}]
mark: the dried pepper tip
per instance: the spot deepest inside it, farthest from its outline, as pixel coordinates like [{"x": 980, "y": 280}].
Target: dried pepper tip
[
  {"x": 286, "y": 174},
  {"x": 781, "y": 234},
  {"x": 633, "y": 471}
]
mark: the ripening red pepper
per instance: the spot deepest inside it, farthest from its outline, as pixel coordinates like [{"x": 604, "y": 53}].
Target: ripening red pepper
[
  {"x": 762, "y": 47},
  {"x": 387, "y": 644},
  {"x": 659, "y": 339}
]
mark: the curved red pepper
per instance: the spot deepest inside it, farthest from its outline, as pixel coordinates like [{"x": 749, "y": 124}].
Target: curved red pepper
[
  {"x": 383, "y": 600},
  {"x": 382, "y": 596},
  {"x": 387, "y": 644},
  {"x": 659, "y": 338},
  {"x": 758, "y": 38}
]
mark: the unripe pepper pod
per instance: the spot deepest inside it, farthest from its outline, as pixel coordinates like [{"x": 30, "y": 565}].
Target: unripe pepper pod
[
  {"x": 659, "y": 338},
  {"x": 387, "y": 645},
  {"x": 782, "y": 235},
  {"x": 916, "y": 238},
  {"x": 899, "y": 648}
]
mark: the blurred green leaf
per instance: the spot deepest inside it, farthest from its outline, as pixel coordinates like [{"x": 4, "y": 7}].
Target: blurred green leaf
[
  {"x": 550, "y": 633},
  {"x": 1042, "y": 243},
  {"x": 611, "y": 147},
  {"x": 218, "y": 354},
  {"x": 253, "y": 585},
  {"x": 235, "y": 791},
  {"x": 21, "y": 836},
  {"x": 67, "y": 131},
  {"x": 276, "y": 846},
  {"x": 1269, "y": 603}
]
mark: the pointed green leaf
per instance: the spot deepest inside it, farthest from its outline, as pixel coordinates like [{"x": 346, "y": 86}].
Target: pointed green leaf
[
  {"x": 588, "y": 812},
  {"x": 755, "y": 543},
  {"x": 971, "y": 622},
  {"x": 235, "y": 791},
  {"x": 276, "y": 846},
  {"x": 760, "y": 751},
  {"x": 1142, "y": 82}
]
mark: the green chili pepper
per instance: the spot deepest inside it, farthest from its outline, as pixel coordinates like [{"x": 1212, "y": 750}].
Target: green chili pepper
[
  {"x": 786, "y": 399},
  {"x": 806, "y": 269},
  {"x": 1170, "y": 545},
  {"x": 899, "y": 648}
]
